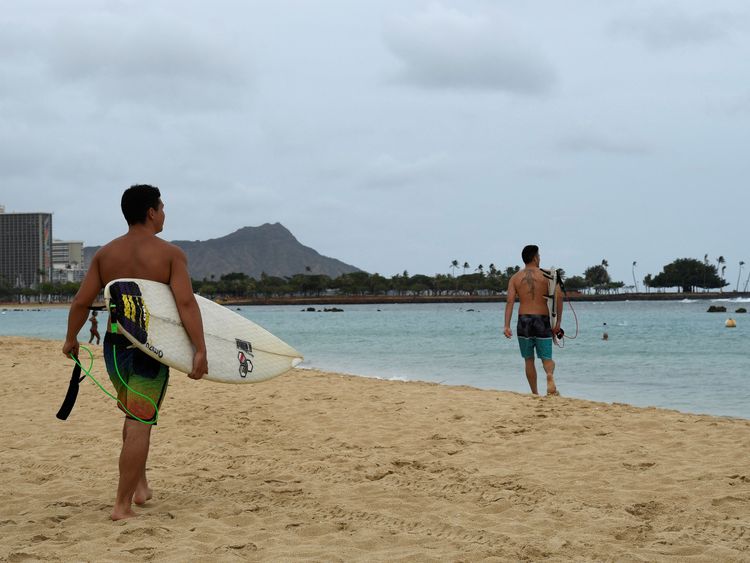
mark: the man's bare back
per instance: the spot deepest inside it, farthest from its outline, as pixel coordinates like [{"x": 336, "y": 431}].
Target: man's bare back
[
  {"x": 530, "y": 286},
  {"x": 136, "y": 256}
]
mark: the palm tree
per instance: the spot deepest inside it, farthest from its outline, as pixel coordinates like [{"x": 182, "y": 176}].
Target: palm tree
[
  {"x": 466, "y": 267},
  {"x": 647, "y": 282},
  {"x": 605, "y": 264},
  {"x": 705, "y": 270},
  {"x": 747, "y": 281},
  {"x": 635, "y": 282},
  {"x": 453, "y": 267},
  {"x": 480, "y": 269},
  {"x": 739, "y": 276},
  {"x": 719, "y": 261}
]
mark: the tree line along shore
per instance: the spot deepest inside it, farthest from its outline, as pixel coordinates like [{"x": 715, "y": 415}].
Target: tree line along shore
[
  {"x": 683, "y": 278},
  {"x": 500, "y": 298}
]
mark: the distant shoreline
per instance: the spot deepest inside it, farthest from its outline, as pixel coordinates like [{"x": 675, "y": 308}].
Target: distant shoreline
[
  {"x": 411, "y": 299},
  {"x": 407, "y": 299},
  {"x": 10, "y": 306}
]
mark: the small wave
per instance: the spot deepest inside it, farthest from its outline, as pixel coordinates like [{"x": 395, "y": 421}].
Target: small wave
[
  {"x": 733, "y": 300},
  {"x": 398, "y": 378},
  {"x": 689, "y": 301}
]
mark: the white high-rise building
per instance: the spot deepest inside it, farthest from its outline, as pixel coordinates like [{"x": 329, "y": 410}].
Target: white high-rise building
[{"x": 67, "y": 261}]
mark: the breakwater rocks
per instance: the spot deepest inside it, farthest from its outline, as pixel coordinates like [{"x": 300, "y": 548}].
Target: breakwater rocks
[{"x": 722, "y": 309}]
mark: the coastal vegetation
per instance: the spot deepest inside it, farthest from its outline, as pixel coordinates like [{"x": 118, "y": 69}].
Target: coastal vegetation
[
  {"x": 686, "y": 274},
  {"x": 689, "y": 274}
]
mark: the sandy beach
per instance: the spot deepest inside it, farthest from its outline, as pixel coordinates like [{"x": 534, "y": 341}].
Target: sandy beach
[{"x": 324, "y": 467}]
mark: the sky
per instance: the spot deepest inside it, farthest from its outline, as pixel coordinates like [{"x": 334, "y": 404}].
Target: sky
[{"x": 393, "y": 135}]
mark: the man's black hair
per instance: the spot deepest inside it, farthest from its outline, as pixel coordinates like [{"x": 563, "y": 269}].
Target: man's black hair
[
  {"x": 529, "y": 252},
  {"x": 137, "y": 200}
]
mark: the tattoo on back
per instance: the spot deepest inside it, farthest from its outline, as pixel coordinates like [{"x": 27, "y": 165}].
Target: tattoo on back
[{"x": 528, "y": 278}]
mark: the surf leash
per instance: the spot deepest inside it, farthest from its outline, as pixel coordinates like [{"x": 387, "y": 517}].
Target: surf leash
[
  {"x": 559, "y": 342},
  {"x": 76, "y": 378}
]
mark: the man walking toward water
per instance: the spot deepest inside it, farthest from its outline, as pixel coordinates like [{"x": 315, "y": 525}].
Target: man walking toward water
[
  {"x": 138, "y": 254},
  {"x": 534, "y": 330}
]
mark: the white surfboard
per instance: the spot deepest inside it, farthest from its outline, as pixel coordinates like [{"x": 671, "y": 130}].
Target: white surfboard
[
  {"x": 551, "y": 295},
  {"x": 239, "y": 351}
]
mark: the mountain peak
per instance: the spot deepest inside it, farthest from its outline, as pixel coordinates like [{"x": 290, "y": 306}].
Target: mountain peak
[
  {"x": 275, "y": 231},
  {"x": 270, "y": 248}
]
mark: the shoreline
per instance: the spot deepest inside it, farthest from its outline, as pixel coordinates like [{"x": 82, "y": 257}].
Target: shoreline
[
  {"x": 371, "y": 376},
  {"x": 314, "y": 465},
  {"x": 32, "y": 306}
]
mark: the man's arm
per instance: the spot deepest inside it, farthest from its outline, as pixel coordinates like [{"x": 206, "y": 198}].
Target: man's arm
[
  {"x": 559, "y": 301},
  {"x": 79, "y": 309},
  {"x": 509, "y": 304},
  {"x": 190, "y": 314}
]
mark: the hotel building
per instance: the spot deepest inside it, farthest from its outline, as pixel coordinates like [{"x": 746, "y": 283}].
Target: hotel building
[{"x": 25, "y": 249}]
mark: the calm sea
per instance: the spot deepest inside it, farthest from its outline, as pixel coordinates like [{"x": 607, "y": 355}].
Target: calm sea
[{"x": 669, "y": 354}]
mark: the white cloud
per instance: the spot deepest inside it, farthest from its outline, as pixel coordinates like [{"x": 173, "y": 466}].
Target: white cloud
[{"x": 443, "y": 48}]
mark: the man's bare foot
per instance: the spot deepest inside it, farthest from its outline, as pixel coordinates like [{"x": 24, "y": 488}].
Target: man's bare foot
[
  {"x": 143, "y": 495},
  {"x": 118, "y": 514},
  {"x": 553, "y": 392}
]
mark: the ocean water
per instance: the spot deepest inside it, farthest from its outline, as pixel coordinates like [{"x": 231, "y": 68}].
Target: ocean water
[{"x": 670, "y": 354}]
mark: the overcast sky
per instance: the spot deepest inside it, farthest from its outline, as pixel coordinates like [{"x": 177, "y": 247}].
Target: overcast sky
[{"x": 396, "y": 134}]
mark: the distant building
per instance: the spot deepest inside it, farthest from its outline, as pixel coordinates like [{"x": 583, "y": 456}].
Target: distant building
[
  {"x": 67, "y": 261},
  {"x": 25, "y": 249}
]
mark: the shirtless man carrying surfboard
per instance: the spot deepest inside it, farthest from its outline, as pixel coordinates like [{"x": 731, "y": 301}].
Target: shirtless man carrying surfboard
[
  {"x": 138, "y": 254},
  {"x": 534, "y": 329}
]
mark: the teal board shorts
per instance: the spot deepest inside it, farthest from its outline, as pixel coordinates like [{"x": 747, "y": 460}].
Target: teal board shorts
[
  {"x": 534, "y": 333},
  {"x": 142, "y": 373}
]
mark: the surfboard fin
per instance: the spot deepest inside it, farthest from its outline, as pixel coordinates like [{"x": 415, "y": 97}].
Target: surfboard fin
[{"x": 72, "y": 394}]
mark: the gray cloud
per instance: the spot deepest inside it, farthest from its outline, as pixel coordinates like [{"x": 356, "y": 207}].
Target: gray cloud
[
  {"x": 386, "y": 172},
  {"x": 442, "y": 48},
  {"x": 598, "y": 144},
  {"x": 737, "y": 105},
  {"x": 137, "y": 60},
  {"x": 665, "y": 29},
  {"x": 276, "y": 110}
]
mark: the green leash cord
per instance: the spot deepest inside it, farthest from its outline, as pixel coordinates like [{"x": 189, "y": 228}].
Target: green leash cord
[{"x": 88, "y": 374}]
